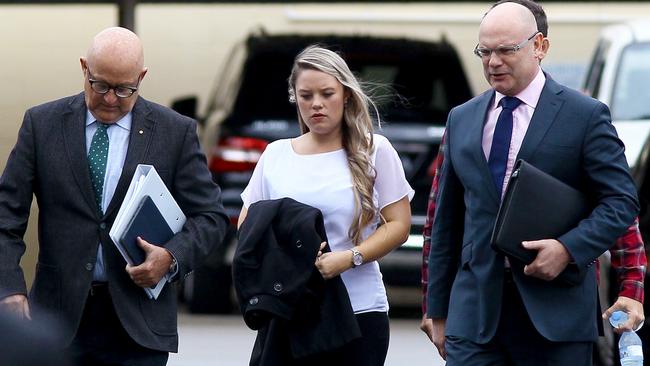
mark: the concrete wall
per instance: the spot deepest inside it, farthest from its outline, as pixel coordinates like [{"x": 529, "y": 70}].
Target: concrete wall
[{"x": 185, "y": 45}]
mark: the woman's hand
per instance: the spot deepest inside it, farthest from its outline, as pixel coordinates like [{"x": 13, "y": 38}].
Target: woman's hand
[{"x": 332, "y": 264}]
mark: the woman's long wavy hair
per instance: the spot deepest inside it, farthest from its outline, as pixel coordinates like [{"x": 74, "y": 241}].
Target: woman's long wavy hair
[{"x": 357, "y": 128}]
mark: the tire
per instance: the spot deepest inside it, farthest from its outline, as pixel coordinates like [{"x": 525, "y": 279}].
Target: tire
[{"x": 208, "y": 290}]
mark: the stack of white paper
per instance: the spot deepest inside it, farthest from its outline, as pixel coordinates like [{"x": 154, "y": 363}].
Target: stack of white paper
[{"x": 147, "y": 182}]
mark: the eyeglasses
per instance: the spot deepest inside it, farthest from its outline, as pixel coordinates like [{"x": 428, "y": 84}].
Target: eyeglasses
[
  {"x": 501, "y": 51},
  {"x": 102, "y": 87}
]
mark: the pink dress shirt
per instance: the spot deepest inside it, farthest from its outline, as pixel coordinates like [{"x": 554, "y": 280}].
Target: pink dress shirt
[{"x": 520, "y": 118}]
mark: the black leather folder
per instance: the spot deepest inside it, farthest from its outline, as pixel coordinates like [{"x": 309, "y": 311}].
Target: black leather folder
[
  {"x": 147, "y": 223},
  {"x": 537, "y": 206}
]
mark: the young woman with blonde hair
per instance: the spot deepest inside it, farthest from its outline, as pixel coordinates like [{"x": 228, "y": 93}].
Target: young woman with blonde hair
[{"x": 353, "y": 176}]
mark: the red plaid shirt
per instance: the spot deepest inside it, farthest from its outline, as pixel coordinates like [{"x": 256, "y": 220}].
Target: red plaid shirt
[{"x": 627, "y": 255}]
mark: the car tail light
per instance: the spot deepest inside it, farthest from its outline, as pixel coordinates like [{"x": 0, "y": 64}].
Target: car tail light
[
  {"x": 236, "y": 154},
  {"x": 431, "y": 170}
]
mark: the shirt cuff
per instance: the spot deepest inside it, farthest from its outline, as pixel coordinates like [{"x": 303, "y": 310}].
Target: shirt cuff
[{"x": 632, "y": 290}]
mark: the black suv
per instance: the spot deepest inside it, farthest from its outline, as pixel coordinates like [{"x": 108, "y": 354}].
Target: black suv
[{"x": 250, "y": 108}]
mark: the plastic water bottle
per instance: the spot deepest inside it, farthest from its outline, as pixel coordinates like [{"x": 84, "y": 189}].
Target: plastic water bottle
[
  {"x": 629, "y": 346},
  {"x": 618, "y": 318}
]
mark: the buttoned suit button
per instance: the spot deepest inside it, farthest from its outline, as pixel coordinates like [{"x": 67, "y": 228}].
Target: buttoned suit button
[
  {"x": 89, "y": 266},
  {"x": 253, "y": 301},
  {"x": 102, "y": 225},
  {"x": 298, "y": 243},
  {"x": 277, "y": 287}
]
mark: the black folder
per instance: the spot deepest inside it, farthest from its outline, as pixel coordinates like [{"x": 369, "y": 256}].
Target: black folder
[
  {"x": 537, "y": 206},
  {"x": 147, "y": 223}
]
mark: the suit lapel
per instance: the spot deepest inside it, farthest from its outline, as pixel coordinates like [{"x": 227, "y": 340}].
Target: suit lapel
[
  {"x": 547, "y": 108},
  {"x": 476, "y": 141},
  {"x": 142, "y": 128},
  {"x": 74, "y": 137}
]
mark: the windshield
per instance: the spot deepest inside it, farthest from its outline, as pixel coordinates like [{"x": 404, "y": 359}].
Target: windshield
[
  {"x": 631, "y": 94},
  {"x": 410, "y": 81}
]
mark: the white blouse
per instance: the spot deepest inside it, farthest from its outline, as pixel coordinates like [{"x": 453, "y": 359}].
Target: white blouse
[{"x": 324, "y": 181}]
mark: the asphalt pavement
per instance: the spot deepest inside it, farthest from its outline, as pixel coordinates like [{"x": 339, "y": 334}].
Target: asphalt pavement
[{"x": 224, "y": 340}]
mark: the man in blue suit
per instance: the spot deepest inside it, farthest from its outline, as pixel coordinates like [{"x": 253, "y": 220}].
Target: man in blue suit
[{"x": 486, "y": 309}]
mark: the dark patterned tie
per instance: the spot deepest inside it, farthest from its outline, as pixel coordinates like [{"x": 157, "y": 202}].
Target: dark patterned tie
[
  {"x": 498, "y": 159},
  {"x": 97, "y": 157}
]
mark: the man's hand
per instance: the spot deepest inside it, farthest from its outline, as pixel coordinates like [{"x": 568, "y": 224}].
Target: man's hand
[
  {"x": 438, "y": 335},
  {"x": 426, "y": 325},
  {"x": 552, "y": 258},
  {"x": 155, "y": 266},
  {"x": 634, "y": 310},
  {"x": 16, "y": 305}
]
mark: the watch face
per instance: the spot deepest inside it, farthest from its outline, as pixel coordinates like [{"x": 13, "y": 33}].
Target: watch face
[{"x": 357, "y": 259}]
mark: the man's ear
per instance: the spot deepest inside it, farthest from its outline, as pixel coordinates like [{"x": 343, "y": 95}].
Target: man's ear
[
  {"x": 143, "y": 73},
  {"x": 542, "y": 48},
  {"x": 83, "y": 63}
]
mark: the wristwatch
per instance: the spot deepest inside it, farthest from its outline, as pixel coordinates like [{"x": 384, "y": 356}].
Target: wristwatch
[
  {"x": 174, "y": 266},
  {"x": 357, "y": 257}
]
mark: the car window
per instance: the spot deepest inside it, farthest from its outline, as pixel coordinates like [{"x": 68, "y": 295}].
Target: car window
[
  {"x": 408, "y": 87},
  {"x": 406, "y": 92},
  {"x": 631, "y": 94},
  {"x": 595, "y": 69}
]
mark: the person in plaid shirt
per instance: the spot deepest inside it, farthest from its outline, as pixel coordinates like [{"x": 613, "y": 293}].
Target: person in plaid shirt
[{"x": 628, "y": 259}]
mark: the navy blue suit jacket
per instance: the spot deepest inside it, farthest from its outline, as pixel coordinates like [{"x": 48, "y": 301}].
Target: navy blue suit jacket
[{"x": 571, "y": 137}]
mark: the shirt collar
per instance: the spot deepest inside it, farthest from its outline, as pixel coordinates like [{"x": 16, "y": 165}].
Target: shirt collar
[
  {"x": 530, "y": 95},
  {"x": 124, "y": 122}
]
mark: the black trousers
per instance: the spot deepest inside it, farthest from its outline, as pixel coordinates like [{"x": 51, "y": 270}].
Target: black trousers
[
  {"x": 517, "y": 342},
  {"x": 369, "y": 350},
  {"x": 102, "y": 341}
]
